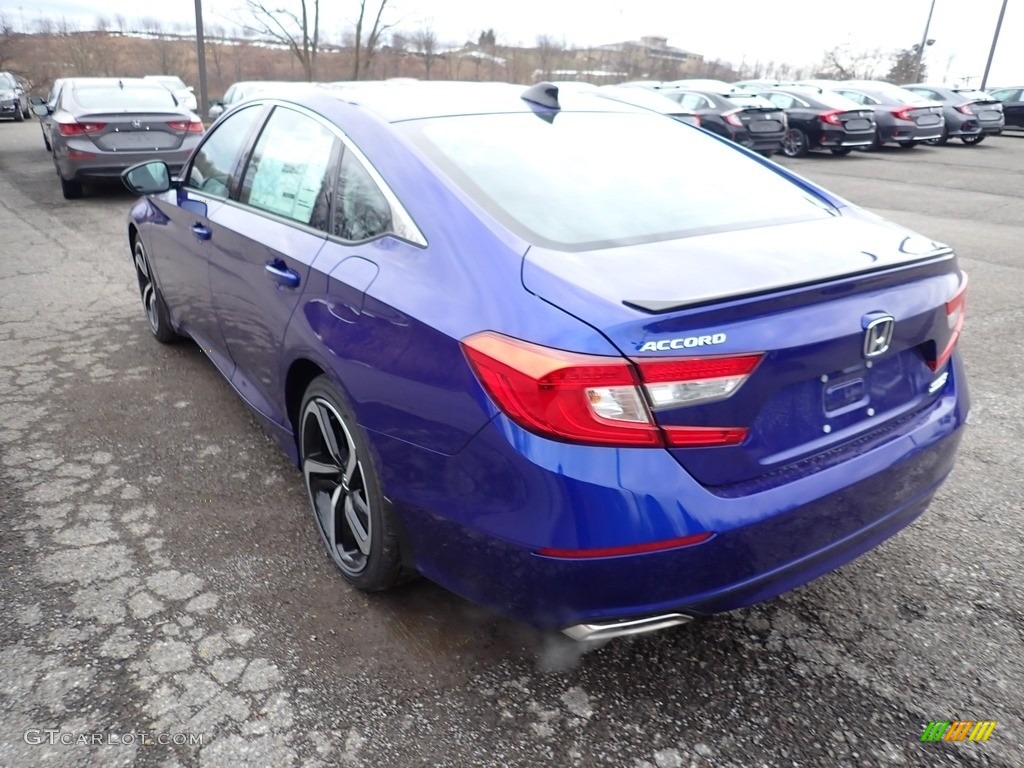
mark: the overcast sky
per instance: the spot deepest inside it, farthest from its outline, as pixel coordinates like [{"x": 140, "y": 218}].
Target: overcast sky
[{"x": 795, "y": 31}]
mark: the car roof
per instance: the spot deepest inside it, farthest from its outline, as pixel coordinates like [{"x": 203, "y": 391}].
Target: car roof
[
  {"x": 127, "y": 82},
  {"x": 397, "y": 100}
]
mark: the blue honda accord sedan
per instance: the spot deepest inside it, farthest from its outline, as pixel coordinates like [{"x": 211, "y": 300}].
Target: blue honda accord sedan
[{"x": 578, "y": 362}]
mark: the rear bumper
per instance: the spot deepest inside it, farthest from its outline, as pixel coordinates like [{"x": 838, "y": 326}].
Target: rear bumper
[
  {"x": 759, "y": 142},
  {"x": 905, "y": 132},
  {"x": 838, "y": 138},
  {"x": 509, "y": 494},
  {"x": 109, "y": 165}
]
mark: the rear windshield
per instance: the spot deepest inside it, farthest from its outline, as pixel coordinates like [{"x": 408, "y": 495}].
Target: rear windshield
[
  {"x": 834, "y": 100},
  {"x": 750, "y": 100},
  {"x": 114, "y": 97},
  {"x": 590, "y": 180},
  {"x": 974, "y": 95}
]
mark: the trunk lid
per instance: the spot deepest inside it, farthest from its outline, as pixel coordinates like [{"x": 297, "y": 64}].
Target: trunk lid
[
  {"x": 763, "y": 119},
  {"x": 136, "y": 131},
  {"x": 802, "y": 294},
  {"x": 859, "y": 121}
]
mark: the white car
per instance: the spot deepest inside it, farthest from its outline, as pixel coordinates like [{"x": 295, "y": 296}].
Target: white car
[{"x": 185, "y": 94}]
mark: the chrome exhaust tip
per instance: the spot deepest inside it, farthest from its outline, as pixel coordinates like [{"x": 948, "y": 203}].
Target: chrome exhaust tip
[{"x": 608, "y": 630}]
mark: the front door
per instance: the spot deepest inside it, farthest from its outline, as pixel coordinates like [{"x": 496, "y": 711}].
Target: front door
[{"x": 263, "y": 244}]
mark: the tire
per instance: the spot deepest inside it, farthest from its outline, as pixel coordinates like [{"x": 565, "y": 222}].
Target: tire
[
  {"x": 907, "y": 144},
  {"x": 354, "y": 521},
  {"x": 794, "y": 143},
  {"x": 769, "y": 153},
  {"x": 842, "y": 151},
  {"x": 941, "y": 141},
  {"x": 971, "y": 141},
  {"x": 72, "y": 189},
  {"x": 19, "y": 116},
  {"x": 152, "y": 300}
]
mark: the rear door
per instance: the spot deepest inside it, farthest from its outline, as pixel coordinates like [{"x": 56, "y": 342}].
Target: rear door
[{"x": 263, "y": 244}]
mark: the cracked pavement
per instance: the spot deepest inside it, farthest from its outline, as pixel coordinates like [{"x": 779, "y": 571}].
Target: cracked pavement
[{"x": 161, "y": 575}]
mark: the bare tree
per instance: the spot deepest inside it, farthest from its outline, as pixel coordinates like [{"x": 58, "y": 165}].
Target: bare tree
[
  {"x": 843, "y": 63},
  {"x": 7, "y": 37},
  {"x": 548, "y": 48},
  {"x": 424, "y": 41},
  {"x": 169, "y": 58},
  {"x": 300, "y": 32},
  {"x": 364, "y": 51}
]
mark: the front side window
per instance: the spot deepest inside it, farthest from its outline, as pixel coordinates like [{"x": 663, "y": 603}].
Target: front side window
[
  {"x": 288, "y": 173},
  {"x": 361, "y": 211},
  {"x": 211, "y": 169}
]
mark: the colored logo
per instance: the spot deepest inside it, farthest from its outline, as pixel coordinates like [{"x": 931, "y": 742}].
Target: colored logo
[{"x": 958, "y": 730}]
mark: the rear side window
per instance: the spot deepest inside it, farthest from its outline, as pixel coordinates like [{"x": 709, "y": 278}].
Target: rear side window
[
  {"x": 114, "y": 97},
  {"x": 781, "y": 100},
  {"x": 360, "y": 211},
  {"x": 694, "y": 101},
  {"x": 288, "y": 173},
  {"x": 211, "y": 169},
  {"x": 590, "y": 180}
]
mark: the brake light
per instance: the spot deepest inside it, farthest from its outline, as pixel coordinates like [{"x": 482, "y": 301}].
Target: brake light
[
  {"x": 733, "y": 117},
  {"x": 956, "y": 311},
  {"x": 964, "y": 109},
  {"x": 903, "y": 113},
  {"x": 832, "y": 118},
  {"x": 600, "y": 400},
  {"x": 79, "y": 129},
  {"x": 696, "y": 120},
  {"x": 189, "y": 126}
]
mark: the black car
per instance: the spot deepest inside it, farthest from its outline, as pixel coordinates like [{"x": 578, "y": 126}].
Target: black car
[
  {"x": 822, "y": 120},
  {"x": 970, "y": 115},
  {"x": 1013, "y": 106},
  {"x": 745, "y": 118}
]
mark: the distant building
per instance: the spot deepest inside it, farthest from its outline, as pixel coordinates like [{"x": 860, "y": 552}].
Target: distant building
[{"x": 649, "y": 57}]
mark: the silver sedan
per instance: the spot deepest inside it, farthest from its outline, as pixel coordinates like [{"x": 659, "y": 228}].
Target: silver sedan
[{"x": 101, "y": 126}]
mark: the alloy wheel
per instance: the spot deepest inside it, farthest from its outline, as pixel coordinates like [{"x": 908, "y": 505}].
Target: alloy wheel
[
  {"x": 146, "y": 287},
  {"x": 794, "y": 143},
  {"x": 337, "y": 486}
]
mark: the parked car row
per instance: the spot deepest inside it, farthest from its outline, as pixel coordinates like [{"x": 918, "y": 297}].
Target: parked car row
[
  {"x": 14, "y": 98},
  {"x": 846, "y": 115}
]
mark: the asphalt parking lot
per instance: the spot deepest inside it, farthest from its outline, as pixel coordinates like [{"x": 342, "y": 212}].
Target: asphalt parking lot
[{"x": 162, "y": 581}]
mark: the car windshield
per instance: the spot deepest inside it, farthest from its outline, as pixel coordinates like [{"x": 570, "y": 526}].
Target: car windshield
[
  {"x": 590, "y": 180},
  {"x": 113, "y": 97}
]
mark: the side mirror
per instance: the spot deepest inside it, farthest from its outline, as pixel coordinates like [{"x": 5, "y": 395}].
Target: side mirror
[
  {"x": 41, "y": 110},
  {"x": 36, "y": 100},
  {"x": 149, "y": 178}
]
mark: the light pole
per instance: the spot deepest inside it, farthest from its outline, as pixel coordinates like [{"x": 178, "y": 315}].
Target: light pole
[
  {"x": 924, "y": 42},
  {"x": 204, "y": 103},
  {"x": 992, "y": 50}
]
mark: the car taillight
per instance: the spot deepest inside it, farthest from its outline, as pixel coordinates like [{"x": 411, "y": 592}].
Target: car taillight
[
  {"x": 733, "y": 118},
  {"x": 832, "y": 118},
  {"x": 956, "y": 310},
  {"x": 903, "y": 113},
  {"x": 599, "y": 400},
  {"x": 696, "y": 120},
  {"x": 189, "y": 126},
  {"x": 964, "y": 109},
  {"x": 79, "y": 129}
]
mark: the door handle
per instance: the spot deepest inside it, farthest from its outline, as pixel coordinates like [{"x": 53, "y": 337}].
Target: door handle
[
  {"x": 201, "y": 232},
  {"x": 282, "y": 274}
]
